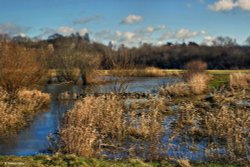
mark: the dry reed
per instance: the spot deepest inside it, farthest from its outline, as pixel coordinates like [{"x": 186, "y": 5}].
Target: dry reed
[
  {"x": 239, "y": 80},
  {"x": 14, "y": 114},
  {"x": 103, "y": 123},
  {"x": 197, "y": 84}
]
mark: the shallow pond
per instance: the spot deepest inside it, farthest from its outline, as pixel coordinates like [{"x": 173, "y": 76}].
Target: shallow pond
[{"x": 33, "y": 139}]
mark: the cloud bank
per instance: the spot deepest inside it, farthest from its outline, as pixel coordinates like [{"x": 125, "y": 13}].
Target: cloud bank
[{"x": 227, "y": 5}]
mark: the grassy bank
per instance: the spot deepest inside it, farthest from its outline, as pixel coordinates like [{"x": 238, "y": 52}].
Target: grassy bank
[
  {"x": 155, "y": 72},
  {"x": 149, "y": 72},
  {"x": 74, "y": 161}
]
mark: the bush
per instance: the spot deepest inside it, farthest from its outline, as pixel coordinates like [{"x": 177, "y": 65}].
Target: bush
[{"x": 19, "y": 68}]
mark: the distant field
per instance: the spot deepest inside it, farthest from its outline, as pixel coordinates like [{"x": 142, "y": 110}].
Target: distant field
[
  {"x": 154, "y": 72},
  {"x": 151, "y": 72}
]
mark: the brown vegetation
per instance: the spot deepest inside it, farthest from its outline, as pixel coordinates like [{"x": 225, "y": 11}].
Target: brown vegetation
[
  {"x": 103, "y": 123},
  {"x": 15, "y": 115},
  {"x": 239, "y": 81},
  {"x": 196, "y": 84},
  {"x": 224, "y": 125},
  {"x": 19, "y": 68},
  {"x": 73, "y": 59}
]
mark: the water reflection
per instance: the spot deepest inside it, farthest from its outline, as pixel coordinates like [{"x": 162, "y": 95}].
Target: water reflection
[{"x": 33, "y": 139}]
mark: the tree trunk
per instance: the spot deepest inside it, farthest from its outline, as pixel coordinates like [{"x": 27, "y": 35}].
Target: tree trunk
[{"x": 84, "y": 79}]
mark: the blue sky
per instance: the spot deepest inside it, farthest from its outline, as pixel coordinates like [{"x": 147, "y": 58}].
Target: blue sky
[{"x": 129, "y": 21}]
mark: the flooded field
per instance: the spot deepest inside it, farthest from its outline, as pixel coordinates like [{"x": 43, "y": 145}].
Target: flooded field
[{"x": 33, "y": 139}]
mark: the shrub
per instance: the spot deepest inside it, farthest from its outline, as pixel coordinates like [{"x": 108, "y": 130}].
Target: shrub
[{"x": 19, "y": 68}]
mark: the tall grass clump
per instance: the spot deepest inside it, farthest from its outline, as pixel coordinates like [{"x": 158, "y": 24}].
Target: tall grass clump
[
  {"x": 198, "y": 83},
  {"x": 104, "y": 124},
  {"x": 195, "y": 85},
  {"x": 195, "y": 81},
  {"x": 239, "y": 81},
  {"x": 15, "y": 114}
]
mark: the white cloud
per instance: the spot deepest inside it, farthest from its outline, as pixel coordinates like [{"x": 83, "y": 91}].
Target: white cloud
[
  {"x": 181, "y": 34},
  {"x": 243, "y": 4},
  {"x": 131, "y": 19},
  {"x": 150, "y": 29},
  {"x": 83, "y": 31},
  {"x": 185, "y": 33},
  {"x": 208, "y": 40},
  {"x": 65, "y": 30},
  {"x": 128, "y": 36},
  {"x": 226, "y": 5},
  {"x": 22, "y": 34}
]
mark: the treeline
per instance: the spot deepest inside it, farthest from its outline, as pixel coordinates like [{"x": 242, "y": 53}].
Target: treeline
[{"x": 77, "y": 51}]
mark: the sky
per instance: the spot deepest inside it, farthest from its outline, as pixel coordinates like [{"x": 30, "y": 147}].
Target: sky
[{"x": 131, "y": 22}]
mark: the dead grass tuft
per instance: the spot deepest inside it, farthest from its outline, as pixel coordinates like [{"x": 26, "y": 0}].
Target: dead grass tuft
[
  {"x": 239, "y": 80},
  {"x": 197, "y": 84}
]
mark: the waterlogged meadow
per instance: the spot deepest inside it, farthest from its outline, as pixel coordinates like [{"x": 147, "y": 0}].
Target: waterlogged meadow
[
  {"x": 184, "y": 123},
  {"x": 192, "y": 118}
]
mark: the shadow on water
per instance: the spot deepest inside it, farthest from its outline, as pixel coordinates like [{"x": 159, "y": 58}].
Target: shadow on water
[{"x": 33, "y": 139}]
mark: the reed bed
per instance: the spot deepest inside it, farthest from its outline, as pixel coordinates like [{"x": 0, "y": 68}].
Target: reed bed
[
  {"x": 195, "y": 85},
  {"x": 221, "y": 123},
  {"x": 15, "y": 114},
  {"x": 99, "y": 124}
]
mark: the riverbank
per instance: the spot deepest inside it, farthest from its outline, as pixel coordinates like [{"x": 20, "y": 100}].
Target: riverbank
[{"x": 98, "y": 76}]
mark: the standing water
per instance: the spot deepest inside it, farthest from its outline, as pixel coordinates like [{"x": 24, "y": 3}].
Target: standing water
[{"x": 33, "y": 139}]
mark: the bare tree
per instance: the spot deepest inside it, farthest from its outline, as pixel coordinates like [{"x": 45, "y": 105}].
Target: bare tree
[
  {"x": 248, "y": 41},
  {"x": 73, "y": 60},
  {"x": 224, "y": 41},
  {"x": 19, "y": 68}
]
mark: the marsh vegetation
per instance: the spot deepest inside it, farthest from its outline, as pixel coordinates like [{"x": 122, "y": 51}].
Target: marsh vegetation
[{"x": 201, "y": 116}]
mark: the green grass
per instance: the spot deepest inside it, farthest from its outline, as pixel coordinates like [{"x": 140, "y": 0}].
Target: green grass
[
  {"x": 227, "y": 71},
  {"x": 74, "y": 161},
  {"x": 218, "y": 80},
  {"x": 154, "y": 72}
]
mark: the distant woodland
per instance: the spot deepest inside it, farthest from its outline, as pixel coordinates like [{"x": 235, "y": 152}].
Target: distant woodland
[{"x": 73, "y": 51}]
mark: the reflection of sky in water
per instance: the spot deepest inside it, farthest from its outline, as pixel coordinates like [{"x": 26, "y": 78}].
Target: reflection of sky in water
[
  {"x": 33, "y": 139},
  {"x": 140, "y": 84}
]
